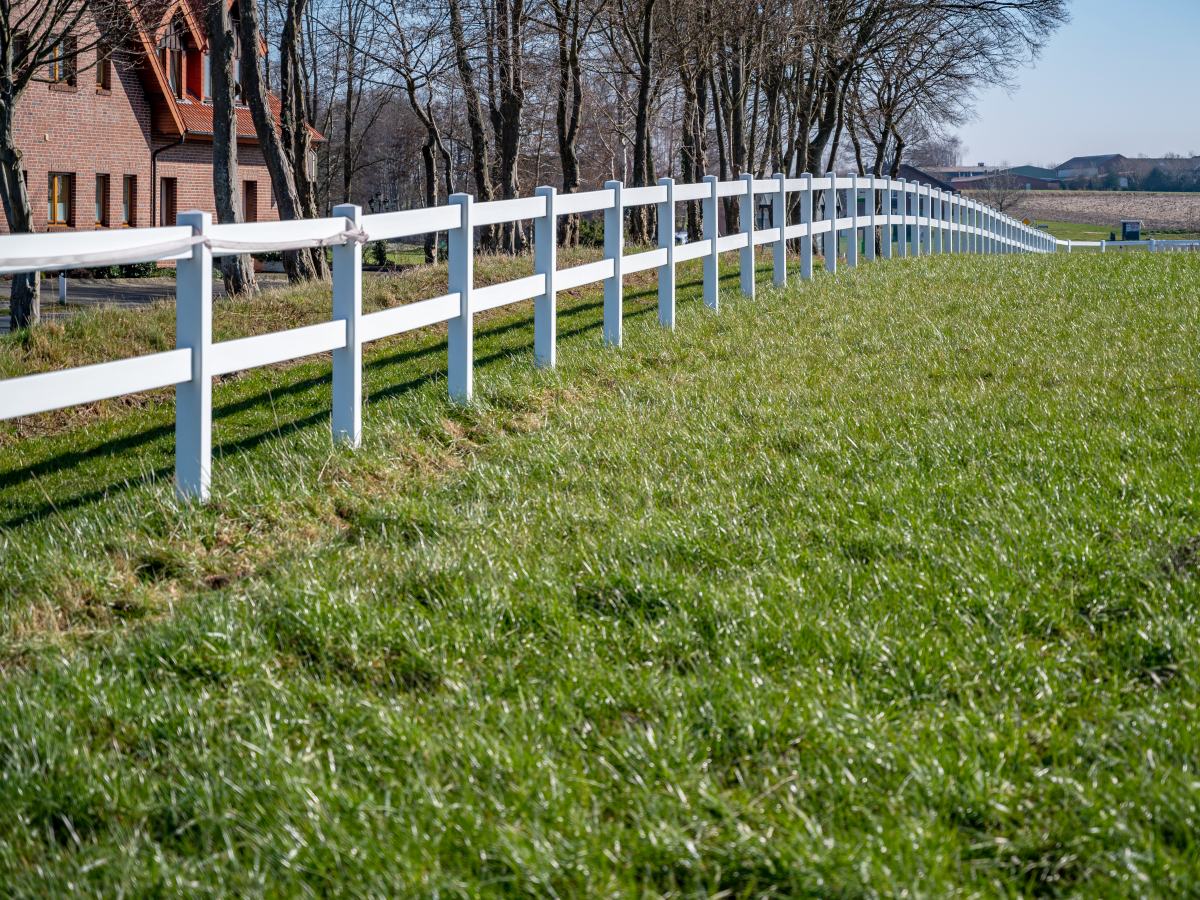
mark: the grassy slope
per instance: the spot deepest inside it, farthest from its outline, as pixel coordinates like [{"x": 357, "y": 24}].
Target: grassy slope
[
  {"x": 1078, "y": 231},
  {"x": 887, "y": 582}
]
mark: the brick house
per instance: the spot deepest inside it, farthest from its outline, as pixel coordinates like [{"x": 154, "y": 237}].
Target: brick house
[{"x": 111, "y": 143}]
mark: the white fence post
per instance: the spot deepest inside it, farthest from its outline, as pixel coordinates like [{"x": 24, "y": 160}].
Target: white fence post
[
  {"x": 929, "y": 225},
  {"x": 614, "y": 249},
  {"x": 885, "y": 233},
  {"x": 779, "y": 220},
  {"x": 852, "y": 209},
  {"x": 831, "y": 236},
  {"x": 806, "y": 219},
  {"x": 1103, "y": 246},
  {"x": 746, "y": 214},
  {"x": 869, "y": 232},
  {"x": 62, "y": 288},
  {"x": 545, "y": 263},
  {"x": 461, "y": 329},
  {"x": 935, "y": 220},
  {"x": 347, "y": 362},
  {"x": 666, "y": 241},
  {"x": 902, "y": 228},
  {"x": 917, "y": 236},
  {"x": 712, "y": 232},
  {"x": 193, "y": 398}
]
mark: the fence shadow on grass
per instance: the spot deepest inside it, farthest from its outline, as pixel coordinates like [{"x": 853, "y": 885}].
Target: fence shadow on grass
[{"x": 579, "y": 318}]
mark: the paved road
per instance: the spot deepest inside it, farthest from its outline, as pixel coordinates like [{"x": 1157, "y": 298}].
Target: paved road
[{"x": 83, "y": 293}]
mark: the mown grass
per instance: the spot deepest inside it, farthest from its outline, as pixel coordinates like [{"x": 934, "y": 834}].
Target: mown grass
[
  {"x": 883, "y": 584},
  {"x": 1079, "y": 231}
]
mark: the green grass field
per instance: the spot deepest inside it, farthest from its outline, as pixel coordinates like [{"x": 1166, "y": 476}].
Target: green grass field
[
  {"x": 1078, "y": 231},
  {"x": 885, "y": 584}
]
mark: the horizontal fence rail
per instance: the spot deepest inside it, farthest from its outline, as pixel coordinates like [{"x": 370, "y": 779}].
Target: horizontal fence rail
[
  {"x": 1154, "y": 246},
  {"x": 849, "y": 217}
]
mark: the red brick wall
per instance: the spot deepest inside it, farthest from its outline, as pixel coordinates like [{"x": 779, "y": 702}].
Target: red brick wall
[
  {"x": 85, "y": 131},
  {"x": 191, "y": 165}
]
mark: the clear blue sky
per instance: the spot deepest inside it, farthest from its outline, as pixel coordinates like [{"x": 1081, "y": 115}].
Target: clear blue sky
[{"x": 1120, "y": 77}]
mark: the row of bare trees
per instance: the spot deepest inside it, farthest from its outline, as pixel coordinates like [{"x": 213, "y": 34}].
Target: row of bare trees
[
  {"x": 429, "y": 96},
  {"x": 415, "y": 99}
]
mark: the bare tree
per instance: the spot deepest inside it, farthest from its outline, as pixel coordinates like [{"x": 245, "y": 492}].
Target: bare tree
[
  {"x": 300, "y": 265},
  {"x": 237, "y": 271}
]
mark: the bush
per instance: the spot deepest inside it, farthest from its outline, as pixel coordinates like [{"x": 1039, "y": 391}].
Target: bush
[
  {"x": 591, "y": 233},
  {"x": 378, "y": 253}
]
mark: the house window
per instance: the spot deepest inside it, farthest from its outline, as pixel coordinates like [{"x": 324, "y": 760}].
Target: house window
[
  {"x": 168, "y": 192},
  {"x": 129, "y": 200},
  {"x": 58, "y": 205},
  {"x": 62, "y": 62},
  {"x": 101, "y": 201},
  {"x": 250, "y": 201},
  {"x": 173, "y": 63},
  {"x": 103, "y": 68}
]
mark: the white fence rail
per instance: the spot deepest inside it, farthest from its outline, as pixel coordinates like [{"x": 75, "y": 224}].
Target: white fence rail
[
  {"x": 871, "y": 217},
  {"x": 1154, "y": 246}
]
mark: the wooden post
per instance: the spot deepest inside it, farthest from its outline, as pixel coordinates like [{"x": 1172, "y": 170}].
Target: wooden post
[
  {"x": 831, "y": 236},
  {"x": 712, "y": 232},
  {"x": 545, "y": 263},
  {"x": 779, "y": 220},
  {"x": 193, "y": 398},
  {"x": 746, "y": 214},
  {"x": 666, "y": 241},
  {"x": 614, "y": 249},
  {"x": 806, "y": 219},
  {"x": 346, "y": 421},
  {"x": 461, "y": 330}
]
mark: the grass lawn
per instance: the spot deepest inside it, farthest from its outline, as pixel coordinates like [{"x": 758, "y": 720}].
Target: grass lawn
[
  {"x": 887, "y": 583},
  {"x": 1078, "y": 231}
]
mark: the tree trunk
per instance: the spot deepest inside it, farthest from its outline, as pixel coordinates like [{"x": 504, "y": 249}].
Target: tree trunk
[
  {"x": 294, "y": 118},
  {"x": 480, "y": 154},
  {"x": 25, "y": 299},
  {"x": 237, "y": 271},
  {"x": 639, "y": 225},
  {"x": 298, "y": 265}
]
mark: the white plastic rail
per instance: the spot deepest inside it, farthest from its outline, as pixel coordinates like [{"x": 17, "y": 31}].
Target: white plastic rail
[{"x": 887, "y": 217}]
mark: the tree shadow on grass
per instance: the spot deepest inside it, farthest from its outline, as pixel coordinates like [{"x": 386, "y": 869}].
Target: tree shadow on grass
[{"x": 132, "y": 449}]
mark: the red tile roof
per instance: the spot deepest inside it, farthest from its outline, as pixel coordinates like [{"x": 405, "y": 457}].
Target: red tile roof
[{"x": 198, "y": 118}]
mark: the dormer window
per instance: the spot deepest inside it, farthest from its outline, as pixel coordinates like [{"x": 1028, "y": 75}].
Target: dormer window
[{"x": 172, "y": 53}]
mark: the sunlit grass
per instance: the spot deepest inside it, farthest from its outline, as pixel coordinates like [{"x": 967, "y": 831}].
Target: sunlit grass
[{"x": 882, "y": 584}]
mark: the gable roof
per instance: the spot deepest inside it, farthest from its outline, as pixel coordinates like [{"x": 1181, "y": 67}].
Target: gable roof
[
  {"x": 1076, "y": 161},
  {"x": 912, "y": 173},
  {"x": 191, "y": 114}
]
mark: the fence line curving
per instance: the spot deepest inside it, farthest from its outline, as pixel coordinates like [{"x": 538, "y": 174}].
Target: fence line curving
[{"x": 872, "y": 217}]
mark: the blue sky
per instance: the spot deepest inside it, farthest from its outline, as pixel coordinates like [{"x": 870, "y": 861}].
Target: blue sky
[{"x": 1120, "y": 77}]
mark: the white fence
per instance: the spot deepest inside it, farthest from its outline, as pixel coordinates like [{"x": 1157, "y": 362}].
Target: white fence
[
  {"x": 1154, "y": 246},
  {"x": 912, "y": 220}
]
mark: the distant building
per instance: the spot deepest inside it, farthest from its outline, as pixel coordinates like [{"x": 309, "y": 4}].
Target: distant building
[
  {"x": 1034, "y": 172},
  {"x": 1008, "y": 180},
  {"x": 949, "y": 173},
  {"x": 1091, "y": 166},
  {"x": 925, "y": 176}
]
